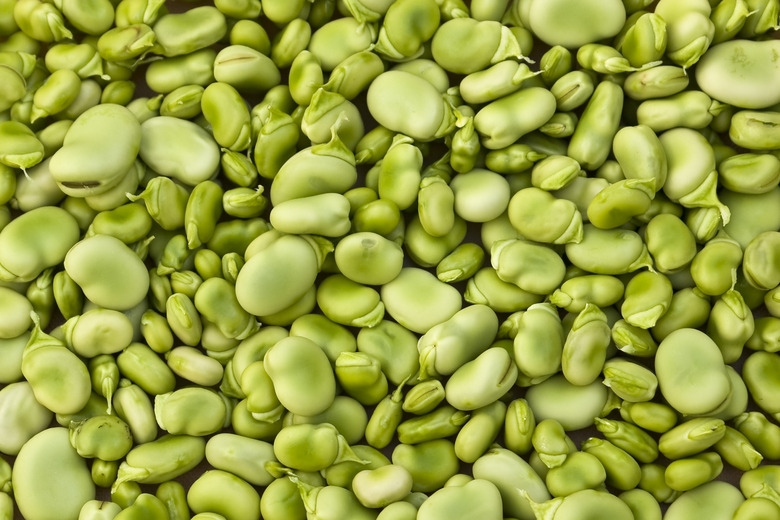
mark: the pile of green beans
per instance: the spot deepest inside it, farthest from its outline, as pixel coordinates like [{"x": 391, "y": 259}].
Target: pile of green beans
[{"x": 279, "y": 259}]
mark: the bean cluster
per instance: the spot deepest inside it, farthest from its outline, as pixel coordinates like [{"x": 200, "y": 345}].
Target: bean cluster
[{"x": 389, "y": 259}]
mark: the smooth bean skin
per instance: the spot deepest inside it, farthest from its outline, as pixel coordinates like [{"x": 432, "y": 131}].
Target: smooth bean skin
[
  {"x": 477, "y": 497},
  {"x": 653, "y": 482},
  {"x": 534, "y": 268},
  {"x": 160, "y": 460},
  {"x": 271, "y": 272},
  {"x": 622, "y": 471},
  {"x": 751, "y": 65},
  {"x": 670, "y": 242},
  {"x": 382, "y": 486},
  {"x": 281, "y": 500},
  {"x": 440, "y": 423},
  {"x": 99, "y": 510},
  {"x": 11, "y": 351},
  {"x": 585, "y": 348},
  {"x": 242, "y": 456},
  {"x": 414, "y": 290},
  {"x": 480, "y": 195},
  {"x": 589, "y": 145},
  {"x": 110, "y": 273},
  {"x": 361, "y": 377},
  {"x": 394, "y": 346},
  {"x": 718, "y": 500},
  {"x": 714, "y": 268},
  {"x": 571, "y": 405},
  {"x": 499, "y": 124},
  {"x": 688, "y": 473},
  {"x": 575, "y": 293},
  {"x": 629, "y": 252},
  {"x": 647, "y": 298},
  {"x": 758, "y": 373},
  {"x": 406, "y": 26},
  {"x": 481, "y": 381},
  {"x": 642, "y": 504},
  {"x": 516, "y": 481},
  {"x": 354, "y": 74},
  {"x": 637, "y": 442},
  {"x": 337, "y": 40},
  {"x": 193, "y": 411},
  {"x": 322, "y": 168},
  {"x": 692, "y": 437},
  {"x": 16, "y": 309},
  {"x": 519, "y": 423},
  {"x": 397, "y": 352},
  {"x": 538, "y": 342},
  {"x": 398, "y": 511},
  {"x": 368, "y": 258},
  {"x": 134, "y": 407},
  {"x": 346, "y": 414},
  {"x": 225, "y": 110},
  {"x": 431, "y": 463},
  {"x": 580, "y": 470},
  {"x": 326, "y": 214},
  {"x": 689, "y": 30},
  {"x": 46, "y": 356},
  {"x": 705, "y": 371},
  {"x": 427, "y": 250},
  {"x": 449, "y": 345},
  {"x": 342, "y": 474},
  {"x": 330, "y": 113},
  {"x": 21, "y": 148},
  {"x": 480, "y": 431},
  {"x": 98, "y": 331},
  {"x": 168, "y": 74},
  {"x": 736, "y": 449},
  {"x": 559, "y": 23},
  {"x": 189, "y": 31},
  {"x": 143, "y": 366},
  {"x": 586, "y": 504},
  {"x": 192, "y": 157},
  {"x": 752, "y": 482},
  {"x": 194, "y": 366},
  {"x": 618, "y": 203},
  {"x": 555, "y": 172},
  {"x": 129, "y": 223},
  {"x": 758, "y": 508},
  {"x": 745, "y": 226},
  {"x": 223, "y": 493},
  {"x": 760, "y": 260},
  {"x": 21, "y": 416},
  {"x": 332, "y": 502},
  {"x": 104, "y": 472},
  {"x": 501, "y": 79},
  {"x": 303, "y": 392},
  {"x": 330, "y": 336},
  {"x": 48, "y": 462},
  {"x": 408, "y": 104},
  {"x": 731, "y": 324},
  {"x": 551, "y": 444},
  {"x": 56, "y": 94},
  {"x": 541, "y": 217},
  {"x": 461, "y": 264},
  {"x": 245, "y": 68},
  {"x": 38, "y": 239}
]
